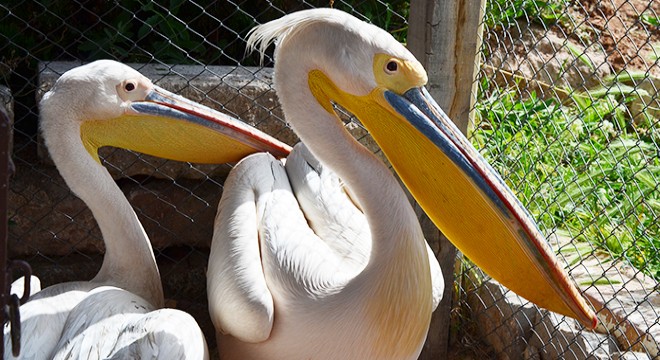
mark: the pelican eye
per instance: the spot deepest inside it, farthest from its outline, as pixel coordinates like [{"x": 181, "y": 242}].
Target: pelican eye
[
  {"x": 129, "y": 86},
  {"x": 391, "y": 67},
  {"x": 397, "y": 74}
]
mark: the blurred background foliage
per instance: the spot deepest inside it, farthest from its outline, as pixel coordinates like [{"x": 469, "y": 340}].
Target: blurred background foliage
[{"x": 174, "y": 31}]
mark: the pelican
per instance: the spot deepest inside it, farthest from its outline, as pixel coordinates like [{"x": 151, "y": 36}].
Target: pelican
[
  {"x": 278, "y": 291},
  {"x": 118, "y": 314}
]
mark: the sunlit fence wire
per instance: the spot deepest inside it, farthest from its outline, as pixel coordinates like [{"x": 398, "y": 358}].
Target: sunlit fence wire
[{"x": 567, "y": 112}]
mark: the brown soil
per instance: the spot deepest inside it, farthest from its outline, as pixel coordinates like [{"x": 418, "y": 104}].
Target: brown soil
[{"x": 616, "y": 24}]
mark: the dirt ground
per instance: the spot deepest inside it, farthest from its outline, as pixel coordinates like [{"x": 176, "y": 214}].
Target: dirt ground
[{"x": 626, "y": 40}]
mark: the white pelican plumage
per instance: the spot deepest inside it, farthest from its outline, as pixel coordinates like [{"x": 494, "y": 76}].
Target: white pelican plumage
[
  {"x": 18, "y": 286},
  {"x": 117, "y": 314},
  {"x": 277, "y": 291}
]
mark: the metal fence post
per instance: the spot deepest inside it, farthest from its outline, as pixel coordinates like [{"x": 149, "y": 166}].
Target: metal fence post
[
  {"x": 4, "y": 183},
  {"x": 9, "y": 303}
]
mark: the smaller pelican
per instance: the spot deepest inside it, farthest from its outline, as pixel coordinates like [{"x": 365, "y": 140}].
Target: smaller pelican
[
  {"x": 118, "y": 313},
  {"x": 279, "y": 290}
]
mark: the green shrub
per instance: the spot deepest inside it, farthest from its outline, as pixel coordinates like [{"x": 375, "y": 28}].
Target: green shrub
[{"x": 582, "y": 168}]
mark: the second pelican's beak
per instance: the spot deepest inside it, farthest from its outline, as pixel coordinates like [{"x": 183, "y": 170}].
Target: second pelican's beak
[
  {"x": 465, "y": 198},
  {"x": 170, "y": 126}
]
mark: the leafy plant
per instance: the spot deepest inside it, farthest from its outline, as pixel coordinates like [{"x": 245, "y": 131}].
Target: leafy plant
[
  {"x": 581, "y": 168},
  {"x": 144, "y": 30},
  {"x": 506, "y": 12},
  {"x": 389, "y": 15},
  {"x": 652, "y": 20}
]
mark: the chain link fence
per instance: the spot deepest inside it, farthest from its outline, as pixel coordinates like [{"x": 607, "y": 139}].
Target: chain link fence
[
  {"x": 567, "y": 111},
  {"x": 194, "y": 48}
]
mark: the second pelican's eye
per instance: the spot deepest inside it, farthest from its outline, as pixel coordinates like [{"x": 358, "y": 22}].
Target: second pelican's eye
[
  {"x": 392, "y": 66},
  {"x": 129, "y": 86}
]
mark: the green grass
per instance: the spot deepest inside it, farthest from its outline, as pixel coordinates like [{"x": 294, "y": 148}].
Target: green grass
[
  {"x": 390, "y": 15},
  {"x": 587, "y": 168},
  {"x": 506, "y": 12},
  {"x": 650, "y": 20}
]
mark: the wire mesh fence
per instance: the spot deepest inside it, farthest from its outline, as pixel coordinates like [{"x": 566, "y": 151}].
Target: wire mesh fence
[
  {"x": 193, "y": 48},
  {"x": 567, "y": 112}
]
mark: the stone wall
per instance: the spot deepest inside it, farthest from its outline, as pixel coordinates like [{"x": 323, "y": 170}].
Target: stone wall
[{"x": 626, "y": 304}]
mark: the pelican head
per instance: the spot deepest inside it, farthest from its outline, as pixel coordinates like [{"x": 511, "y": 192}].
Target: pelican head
[
  {"x": 117, "y": 106},
  {"x": 366, "y": 71}
]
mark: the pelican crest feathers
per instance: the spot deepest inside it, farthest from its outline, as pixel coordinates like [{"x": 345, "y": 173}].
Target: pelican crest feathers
[{"x": 277, "y": 31}]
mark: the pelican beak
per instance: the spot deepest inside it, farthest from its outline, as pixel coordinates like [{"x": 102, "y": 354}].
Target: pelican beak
[
  {"x": 465, "y": 198},
  {"x": 170, "y": 126}
]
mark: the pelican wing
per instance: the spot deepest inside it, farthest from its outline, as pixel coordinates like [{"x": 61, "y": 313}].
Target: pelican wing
[
  {"x": 240, "y": 302},
  {"x": 92, "y": 327},
  {"x": 159, "y": 335},
  {"x": 112, "y": 323},
  {"x": 336, "y": 218},
  {"x": 265, "y": 252},
  {"x": 49, "y": 306},
  {"x": 329, "y": 210}
]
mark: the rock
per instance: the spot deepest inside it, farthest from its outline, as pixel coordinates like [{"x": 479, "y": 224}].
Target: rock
[
  {"x": 516, "y": 328},
  {"x": 46, "y": 218},
  {"x": 176, "y": 213},
  {"x": 626, "y": 305},
  {"x": 531, "y": 353},
  {"x": 504, "y": 319},
  {"x": 625, "y": 300},
  {"x": 561, "y": 337},
  {"x": 630, "y": 355},
  {"x": 538, "y": 57},
  {"x": 631, "y": 315}
]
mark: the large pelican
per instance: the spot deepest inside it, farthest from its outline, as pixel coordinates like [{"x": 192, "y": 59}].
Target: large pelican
[
  {"x": 117, "y": 314},
  {"x": 277, "y": 291}
]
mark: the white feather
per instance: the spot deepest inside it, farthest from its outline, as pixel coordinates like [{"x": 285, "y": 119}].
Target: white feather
[{"x": 112, "y": 323}]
